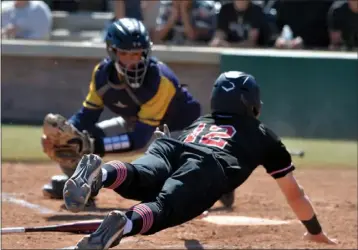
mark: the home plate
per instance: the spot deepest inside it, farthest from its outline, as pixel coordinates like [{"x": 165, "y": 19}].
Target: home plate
[{"x": 242, "y": 220}]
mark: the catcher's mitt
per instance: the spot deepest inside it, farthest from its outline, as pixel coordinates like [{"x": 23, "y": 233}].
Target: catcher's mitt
[{"x": 63, "y": 143}]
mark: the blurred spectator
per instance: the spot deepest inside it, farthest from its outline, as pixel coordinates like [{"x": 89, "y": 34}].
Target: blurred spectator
[
  {"x": 303, "y": 24},
  {"x": 91, "y": 5},
  {"x": 240, "y": 23},
  {"x": 25, "y": 20},
  {"x": 146, "y": 11},
  {"x": 128, "y": 8},
  {"x": 150, "y": 10},
  {"x": 78, "y": 5},
  {"x": 186, "y": 21},
  {"x": 60, "y": 5},
  {"x": 343, "y": 24}
]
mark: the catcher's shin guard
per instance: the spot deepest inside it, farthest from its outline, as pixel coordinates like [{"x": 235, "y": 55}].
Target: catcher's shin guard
[
  {"x": 54, "y": 189},
  {"x": 85, "y": 182},
  {"x": 108, "y": 234},
  {"x": 228, "y": 199}
]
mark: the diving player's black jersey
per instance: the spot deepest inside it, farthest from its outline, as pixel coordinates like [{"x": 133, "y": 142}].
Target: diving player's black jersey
[{"x": 242, "y": 138}]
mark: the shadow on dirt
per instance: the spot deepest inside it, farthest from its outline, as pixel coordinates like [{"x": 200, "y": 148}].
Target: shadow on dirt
[
  {"x": 94, "y": 208},
  {"x": 193, "y": 244},
  {"x": 221, "y": 209},
  {"x": 90, "y": 213},
  {"x": 75, "y": 217}
]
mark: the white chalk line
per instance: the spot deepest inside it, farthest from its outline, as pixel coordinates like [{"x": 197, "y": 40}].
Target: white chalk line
[
  {"x": 6, "y": 197},
  {"x": 229, "y": 220},
  {"x": 216, "y": 219}
]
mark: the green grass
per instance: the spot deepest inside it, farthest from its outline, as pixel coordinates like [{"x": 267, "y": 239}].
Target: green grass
[
  {"x": 22, "y": 143},
  {"x": 324, "y": 152}
]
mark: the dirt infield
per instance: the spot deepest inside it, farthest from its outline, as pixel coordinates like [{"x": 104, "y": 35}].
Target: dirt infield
[{"x": 333, "y": 192}]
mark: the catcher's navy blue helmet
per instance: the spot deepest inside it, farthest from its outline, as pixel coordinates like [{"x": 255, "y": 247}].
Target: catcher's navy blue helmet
[
  {"x": 129, "y": 35},
  {"x": 236, "y": 93}
]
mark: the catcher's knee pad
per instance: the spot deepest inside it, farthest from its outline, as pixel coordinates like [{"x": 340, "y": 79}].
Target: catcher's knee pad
[
  {"x": 114, "y": 126},
  {"x": 55, "y": 188}
]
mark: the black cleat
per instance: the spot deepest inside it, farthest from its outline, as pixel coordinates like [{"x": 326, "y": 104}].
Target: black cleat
[
  {"x": 84, "y": 183},
  {"x": 108, "y": 234}
]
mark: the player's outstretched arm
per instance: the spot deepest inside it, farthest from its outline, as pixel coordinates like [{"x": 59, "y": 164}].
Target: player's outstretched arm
[{"x": 303, "y": 209}]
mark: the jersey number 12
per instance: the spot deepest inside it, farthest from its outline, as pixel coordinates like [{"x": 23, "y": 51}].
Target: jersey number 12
[{"x": 214, "y": 136}]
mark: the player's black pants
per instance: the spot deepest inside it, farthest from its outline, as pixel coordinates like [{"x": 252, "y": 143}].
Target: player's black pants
[{"x": 175, "y": 181}]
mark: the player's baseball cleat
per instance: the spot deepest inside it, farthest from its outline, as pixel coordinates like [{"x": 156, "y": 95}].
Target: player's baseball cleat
[
  {"x": 108, "y": 234},
  {"x": 53, "y": 190},
  {"x": 86, "y": 180},
  {"x": 228, "y": 199}
]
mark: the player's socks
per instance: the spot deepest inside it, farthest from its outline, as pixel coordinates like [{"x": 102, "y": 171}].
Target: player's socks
[
  {"x": 104, "y": 175},
  {"x": 142, "y": 217},
  {"x": 128, "y": 227},
  {"x": 137, "y": 222},
  {"x": 116, "y": 174}
]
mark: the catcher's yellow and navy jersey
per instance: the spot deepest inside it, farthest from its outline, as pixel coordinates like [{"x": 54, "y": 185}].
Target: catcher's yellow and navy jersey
[{"x": 160, "y": 99}]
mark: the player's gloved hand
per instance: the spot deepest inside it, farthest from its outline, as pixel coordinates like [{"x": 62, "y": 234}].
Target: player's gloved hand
[
  {"x": 160, "y": 134},
  {"x": 62, "y": 142},
  {"x": 319, "y": 238}
]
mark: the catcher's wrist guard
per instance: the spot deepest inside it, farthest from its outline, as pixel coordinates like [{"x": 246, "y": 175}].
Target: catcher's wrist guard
[{"x": 68, "y": 143}]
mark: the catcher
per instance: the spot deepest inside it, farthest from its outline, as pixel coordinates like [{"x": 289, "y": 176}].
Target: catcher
[
  {"x": 177, "y": 180},
  {"x": 143, "y": 92}
]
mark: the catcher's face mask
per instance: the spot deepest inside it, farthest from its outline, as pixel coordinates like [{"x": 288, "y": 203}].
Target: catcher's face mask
[{"x": 132, "y": 65}]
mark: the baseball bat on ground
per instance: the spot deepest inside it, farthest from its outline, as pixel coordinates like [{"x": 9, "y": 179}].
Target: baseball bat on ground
[
  {"x": 79, "y": 227},
  {"x": 299, "y": 153}
]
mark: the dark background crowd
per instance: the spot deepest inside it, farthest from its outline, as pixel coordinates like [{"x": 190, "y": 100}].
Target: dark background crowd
[{"x": 282, "y": 24}]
